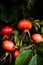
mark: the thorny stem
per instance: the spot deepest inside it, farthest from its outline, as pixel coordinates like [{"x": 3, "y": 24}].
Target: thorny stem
[
  {"x": 28, "y": 47},
  {"x": 21, "y": 43},
  {"x": 10, "y": 58}
]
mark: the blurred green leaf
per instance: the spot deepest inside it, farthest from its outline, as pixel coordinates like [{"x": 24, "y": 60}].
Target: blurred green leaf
[
  {"x": 33, "y": 61},
  {"x": 39, "y": 60},
  {"x": 24, "y": 57},
  {"x": 42, "y": 30},
  {"x": 40, "y": 48},
  {"x": 36, "y": 26},
  {"x": 36, "y": 60},
  {"x": 36, "y": 20},
  {"x": 41, "y": 22},
  {"x": 37, "y": 23}
]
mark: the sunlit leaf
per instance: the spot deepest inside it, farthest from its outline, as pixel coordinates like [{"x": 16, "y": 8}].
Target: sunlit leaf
[{"x": 33, "y": 61}]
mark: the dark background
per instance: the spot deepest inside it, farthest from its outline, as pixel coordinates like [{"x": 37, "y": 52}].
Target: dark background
[{"x": 11, "y": 5}]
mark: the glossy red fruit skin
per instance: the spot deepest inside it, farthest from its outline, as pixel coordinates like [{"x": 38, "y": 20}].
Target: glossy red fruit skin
[
  {"x": 24, "y": 24},
  {"x": 8, "y": 45},
  {"x": 16, "y": 53},
  {"x": 37, "y": 38},
  {"x": 7, "y": 30}
]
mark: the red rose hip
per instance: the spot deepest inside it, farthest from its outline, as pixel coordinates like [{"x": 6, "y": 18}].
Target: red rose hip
[
  {"x": 37, "y": 37},
  {"x": 24, "y": 24},
  {"x": 16, "y": 53},
  {"x": 7, "y": 30},
  {"x": 8, "y": 45}
]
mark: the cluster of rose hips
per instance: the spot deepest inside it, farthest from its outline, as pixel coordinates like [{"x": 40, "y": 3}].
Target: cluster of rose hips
[{"x": 24, "y": 25}]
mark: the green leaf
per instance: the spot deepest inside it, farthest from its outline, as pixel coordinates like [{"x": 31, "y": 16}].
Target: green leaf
[
  {"x": 33, "y": 61},
  {"x": 42, "y": 30},
  {"x": 40, "y": 48},
  {"x": 39, "y": 60},
  {"x": 36, "y": 60},
  {"x": 41, "y": 22},
  {"x": 24, "y": 57},
  {"x": 36, "y": 21}
]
